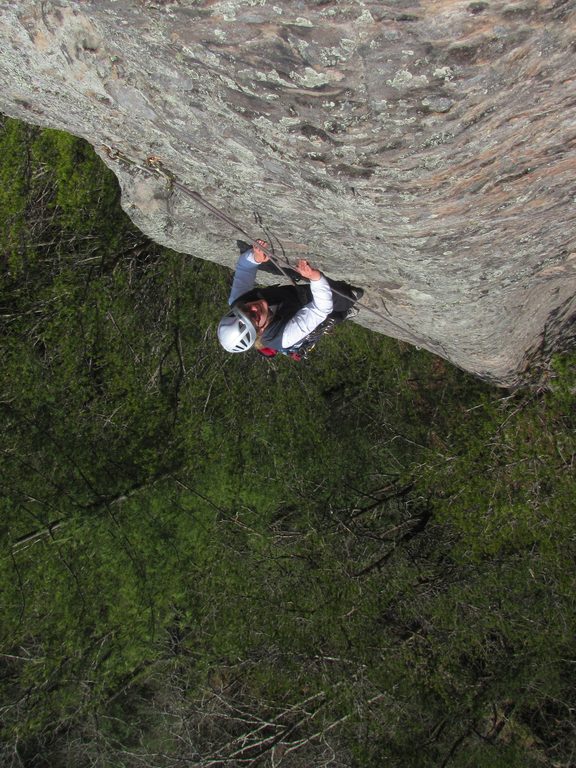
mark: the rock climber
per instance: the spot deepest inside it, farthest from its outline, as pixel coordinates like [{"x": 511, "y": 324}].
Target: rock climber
[{"x": 281, "y": 318}]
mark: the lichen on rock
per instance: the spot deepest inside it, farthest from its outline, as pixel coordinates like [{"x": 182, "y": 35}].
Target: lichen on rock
[{"x": 424, "y": 146}]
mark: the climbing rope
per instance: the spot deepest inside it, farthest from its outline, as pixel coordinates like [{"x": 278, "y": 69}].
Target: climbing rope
[{"x": 154, "y": 166}]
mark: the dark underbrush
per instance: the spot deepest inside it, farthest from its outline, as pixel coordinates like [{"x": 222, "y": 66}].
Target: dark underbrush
[{"x": 365, "y": 559}]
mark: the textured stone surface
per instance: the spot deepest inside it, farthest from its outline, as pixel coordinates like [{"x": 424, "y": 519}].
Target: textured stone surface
[{"x": 425, "y": 150}]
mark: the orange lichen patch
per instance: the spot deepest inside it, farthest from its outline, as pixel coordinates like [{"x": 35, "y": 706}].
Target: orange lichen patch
[{"x": 41, "y": 41}]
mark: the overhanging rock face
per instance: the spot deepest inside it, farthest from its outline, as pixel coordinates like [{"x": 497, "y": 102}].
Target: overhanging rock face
[{"x": 424, "y": 150}]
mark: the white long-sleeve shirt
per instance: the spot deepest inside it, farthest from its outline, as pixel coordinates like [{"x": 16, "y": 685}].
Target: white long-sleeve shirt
[{"x": 305, "y": 320}]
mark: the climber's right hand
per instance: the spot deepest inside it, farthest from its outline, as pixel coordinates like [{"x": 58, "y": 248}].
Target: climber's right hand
[{"x": 259, "y": 256}]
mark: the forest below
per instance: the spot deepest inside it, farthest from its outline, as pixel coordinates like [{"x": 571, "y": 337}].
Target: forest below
[{"x": 364, "y": 559}]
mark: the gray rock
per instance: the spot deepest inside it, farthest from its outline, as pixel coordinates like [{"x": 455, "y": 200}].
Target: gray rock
[
  {"x": 422, "y": 150},
  {"x": 437, "y": 103}
]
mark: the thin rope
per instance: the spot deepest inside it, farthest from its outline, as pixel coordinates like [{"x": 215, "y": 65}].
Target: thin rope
[
  {"x": 154, "y": 167},
  {"x": 219, "y": 214}
]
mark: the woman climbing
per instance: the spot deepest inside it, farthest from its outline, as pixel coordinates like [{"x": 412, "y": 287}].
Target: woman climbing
[{"x": 283, "y": 318}]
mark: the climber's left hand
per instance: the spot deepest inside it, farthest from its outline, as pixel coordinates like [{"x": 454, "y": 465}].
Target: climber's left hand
[{"x": 310, "y": 273}]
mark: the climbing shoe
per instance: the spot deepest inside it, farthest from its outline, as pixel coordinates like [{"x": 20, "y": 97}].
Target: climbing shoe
[{"x": 357, "y": 293}]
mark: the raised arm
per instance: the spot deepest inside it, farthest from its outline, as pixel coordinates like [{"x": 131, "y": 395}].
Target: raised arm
[
  {"x": 246, "y": 269},
  {"x": 315, "y": 312}
]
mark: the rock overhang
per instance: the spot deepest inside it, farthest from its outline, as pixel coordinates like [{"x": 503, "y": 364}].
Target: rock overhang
[{"x": 422, "y": 150}]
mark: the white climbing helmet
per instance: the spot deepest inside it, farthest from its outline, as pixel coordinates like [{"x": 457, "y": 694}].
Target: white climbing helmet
[{"x": 236, "y": 332}]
